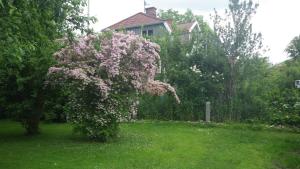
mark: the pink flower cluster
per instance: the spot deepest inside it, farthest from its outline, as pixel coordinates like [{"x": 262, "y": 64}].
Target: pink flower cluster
[
  {"x": 106, "y": 60},
  {"x": 160, "y": 88}
]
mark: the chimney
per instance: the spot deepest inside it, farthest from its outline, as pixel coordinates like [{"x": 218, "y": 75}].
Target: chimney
[{"x": 151, "y": 11}]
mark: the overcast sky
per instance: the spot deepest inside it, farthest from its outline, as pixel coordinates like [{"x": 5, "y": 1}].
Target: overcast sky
[{"x": 277, "y": 20}]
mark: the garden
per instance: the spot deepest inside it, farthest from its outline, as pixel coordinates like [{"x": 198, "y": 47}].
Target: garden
[{"x": 71, "y": 97}]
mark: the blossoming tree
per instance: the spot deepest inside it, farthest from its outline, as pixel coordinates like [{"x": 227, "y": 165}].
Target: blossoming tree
[{"x": 102, "y": 72}]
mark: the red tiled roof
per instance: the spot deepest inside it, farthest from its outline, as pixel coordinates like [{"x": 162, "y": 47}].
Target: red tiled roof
[
  {"x": 136, "y": 20},
  {"x": 140, "y": 19}
]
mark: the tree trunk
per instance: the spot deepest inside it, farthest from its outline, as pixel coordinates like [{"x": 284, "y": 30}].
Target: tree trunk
[
  {"x": 31, "y": 125},
  {"x": 231, "y": 89}
]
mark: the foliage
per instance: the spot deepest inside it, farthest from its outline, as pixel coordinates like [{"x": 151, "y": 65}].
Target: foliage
[
  {"x": 202, "y": 71},
  {"x": 207, "y": 61},
  {"x": 196, "y": 69},
  {"x": 239, "y": 43},
  {"x": 178, "y": 18},
  {"x": 293, "y": 48},
  {"x": 55, "y": 104},
  {"x": 102, "y": 72},
  {"x": 27, "y": 41},
  {"x": 284, "y": 98},
  {"x": 254, "y": 88}
]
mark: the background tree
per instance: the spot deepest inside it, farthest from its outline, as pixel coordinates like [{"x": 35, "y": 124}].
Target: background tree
[
  {"x": 293, "y": 48},
  {"x": 178, "y": 18},
  {"x": 238, "y": 41},
  {"x": 29, "y": 29},
  {"x": 284, "y": 97},
  {"x": 195, "y": 68},
  {"x": 201, "y": 70},
  {"x": 253, "y": 89}
]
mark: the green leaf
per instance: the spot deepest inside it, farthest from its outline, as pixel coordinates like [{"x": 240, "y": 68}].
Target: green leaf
[
  {"x": 11, "y": 11},
  {"x": 1, "y": 4}
]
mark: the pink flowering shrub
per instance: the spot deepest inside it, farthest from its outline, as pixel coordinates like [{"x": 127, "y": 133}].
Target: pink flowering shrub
[{"x": 102, "y": 72}]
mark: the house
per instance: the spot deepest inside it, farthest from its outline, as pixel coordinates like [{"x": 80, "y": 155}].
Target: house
[{"x": 148, "y": 24}]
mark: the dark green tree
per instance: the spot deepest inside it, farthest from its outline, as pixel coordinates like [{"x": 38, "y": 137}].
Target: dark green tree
[
  {"x": 253, "y": 89},
  {"x": 29, "y": 30},
  {"x": 293, "y": 48},
  {"x": 284, "y": 97},
  {"x": 238, "y": 41}
]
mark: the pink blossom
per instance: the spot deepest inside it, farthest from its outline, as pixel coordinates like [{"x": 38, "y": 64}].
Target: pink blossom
[{"x": 126, "y": 57}]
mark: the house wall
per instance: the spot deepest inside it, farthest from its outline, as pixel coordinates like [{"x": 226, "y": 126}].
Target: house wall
[{"x": 158, "y": 29}]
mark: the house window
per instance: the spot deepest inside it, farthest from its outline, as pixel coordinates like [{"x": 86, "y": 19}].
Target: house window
[
  {"x": 147, "y": 32},
  {"x": 150, "y": 32},
  {"x": 144, "y": 33}
]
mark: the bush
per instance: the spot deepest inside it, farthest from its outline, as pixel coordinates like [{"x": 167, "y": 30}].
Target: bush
[
  {"x": 285, "y": 108},
  {"x": 101, "y": 73},
  {"x": 93, "y": 116},
  {"x": 287, "y": 120}
]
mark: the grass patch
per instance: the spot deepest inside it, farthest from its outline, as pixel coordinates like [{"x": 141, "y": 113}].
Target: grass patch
[{"x": 174, "y": 145}]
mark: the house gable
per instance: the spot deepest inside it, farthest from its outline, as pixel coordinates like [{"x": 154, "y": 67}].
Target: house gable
[
  {"x": 189, "y": 27},
  {"x": 140, "y": 21},
  {"x": 136, "y": 20},
  {"x": 148, "y": 24}
]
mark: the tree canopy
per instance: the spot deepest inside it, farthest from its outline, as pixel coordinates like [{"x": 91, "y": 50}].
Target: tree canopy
[
  {"x": 238, "y": 41},
  {"x": 293, "y": 48},
  {"x": 29, "y": 29}
]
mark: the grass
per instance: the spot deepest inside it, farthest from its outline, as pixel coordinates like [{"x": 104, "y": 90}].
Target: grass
[{"x": 174, "y": 145}]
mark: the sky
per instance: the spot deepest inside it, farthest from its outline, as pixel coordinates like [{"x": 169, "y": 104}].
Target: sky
[{"x": 277, "y": 20}]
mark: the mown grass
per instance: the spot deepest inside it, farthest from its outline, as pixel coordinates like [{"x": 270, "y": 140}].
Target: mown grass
[{"x": 174, "y": 145}]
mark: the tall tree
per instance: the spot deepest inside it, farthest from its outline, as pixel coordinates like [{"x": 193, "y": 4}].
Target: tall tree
[
  {"x": 238, "y": 40},
  {"x": 29, "y": 29},
  {"x": 293, "y": 48}
]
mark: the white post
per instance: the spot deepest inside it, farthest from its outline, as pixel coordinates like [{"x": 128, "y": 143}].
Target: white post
[{"x": 207, "y": 112}]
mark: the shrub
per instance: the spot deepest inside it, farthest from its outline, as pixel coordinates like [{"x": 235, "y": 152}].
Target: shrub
[
  {"x": 102, "y": 73},
  {"x": 287, "y": 120}
]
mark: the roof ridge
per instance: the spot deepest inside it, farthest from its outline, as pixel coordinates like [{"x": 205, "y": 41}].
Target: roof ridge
[
  {"x": 158, "y": 19},
  {"x": 152, "y": 16},
  {"x": 122, "y": 20}
]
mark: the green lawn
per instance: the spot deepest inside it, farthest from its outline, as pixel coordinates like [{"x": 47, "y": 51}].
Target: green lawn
[{"x": 151, "y": 145}]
